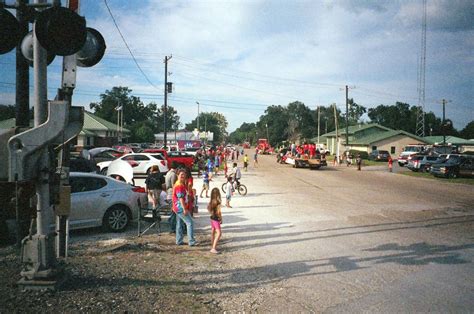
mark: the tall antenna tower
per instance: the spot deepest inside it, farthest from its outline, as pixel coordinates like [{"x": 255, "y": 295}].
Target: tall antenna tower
[{"x": 420, "y": 119}]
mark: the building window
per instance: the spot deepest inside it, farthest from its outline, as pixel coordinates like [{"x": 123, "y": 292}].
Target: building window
[
  {"x": 374, "y": 147},
  {"x": 392, "y": 150},
  {"x": 88, "y": 141}
]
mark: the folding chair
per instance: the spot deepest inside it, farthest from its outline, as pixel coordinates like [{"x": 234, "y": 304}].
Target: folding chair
[{"x": 152, "y": 216}]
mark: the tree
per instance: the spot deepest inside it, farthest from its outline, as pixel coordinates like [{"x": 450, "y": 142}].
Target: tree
[
  {"x": 137, "y": 116},
  {"x": 7, "y": 112},
  {"x": 245, "y": 133},
  {"x": 214, "y": 121},
  {"x": 133, "y": 108},
  {"x": 355, "y": 112},
  {"x": 468, "y": 131},
  {"x": 142, "y": 133}
]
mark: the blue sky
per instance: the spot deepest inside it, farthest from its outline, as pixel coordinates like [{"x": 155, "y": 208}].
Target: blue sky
[{"x": 238, "y": 57}]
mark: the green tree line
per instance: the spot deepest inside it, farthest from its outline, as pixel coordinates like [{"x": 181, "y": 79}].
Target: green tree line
[{"x": 296, "y": 121}]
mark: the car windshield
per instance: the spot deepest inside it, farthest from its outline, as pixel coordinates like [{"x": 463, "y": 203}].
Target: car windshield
[
  {"x": 158, "y": 156},
  {"x": 453, "y": 159},
  {"x": 412, "y": 149}
]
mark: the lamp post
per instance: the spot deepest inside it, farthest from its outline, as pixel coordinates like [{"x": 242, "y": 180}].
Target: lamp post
[
  {"x": 197, "y": 102},
  {"x": 266, "y": 126}
]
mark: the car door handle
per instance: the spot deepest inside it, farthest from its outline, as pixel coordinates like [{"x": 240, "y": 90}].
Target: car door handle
[{"x": 105, "y": 194}]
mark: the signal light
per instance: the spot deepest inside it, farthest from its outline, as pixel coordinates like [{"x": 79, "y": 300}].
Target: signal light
[
  {"x": 93, "y": 50},
  {"x": 27, "y": 49},
  {"x": 9, "y": 31},
  {"x": 61, "y": 31}
]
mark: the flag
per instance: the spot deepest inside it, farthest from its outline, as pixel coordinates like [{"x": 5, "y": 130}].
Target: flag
[{"x": 118, "y": 108}]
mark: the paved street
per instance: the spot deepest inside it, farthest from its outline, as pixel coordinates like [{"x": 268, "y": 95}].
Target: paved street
[{"x": 339, "y": 240}]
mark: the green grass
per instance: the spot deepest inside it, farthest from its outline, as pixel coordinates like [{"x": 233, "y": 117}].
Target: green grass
[
  {"x": 365, "y": 162},
  {"x": 430, "y": 176}
]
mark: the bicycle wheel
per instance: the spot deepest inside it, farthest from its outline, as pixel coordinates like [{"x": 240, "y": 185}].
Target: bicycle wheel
[
  {"x": 242, "y": 189},
  {"x": 223, "y": 187}
]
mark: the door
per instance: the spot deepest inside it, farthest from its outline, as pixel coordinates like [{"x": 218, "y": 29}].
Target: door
[{"x": 90, "y": 197}]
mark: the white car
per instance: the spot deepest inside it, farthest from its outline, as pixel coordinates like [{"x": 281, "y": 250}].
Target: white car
[
  {"x": 140, "y": 162},
  {"x": 97, "y": 200}
]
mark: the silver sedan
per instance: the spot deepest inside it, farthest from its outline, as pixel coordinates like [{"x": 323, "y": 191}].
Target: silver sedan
[{"x": 98, "y": 200}]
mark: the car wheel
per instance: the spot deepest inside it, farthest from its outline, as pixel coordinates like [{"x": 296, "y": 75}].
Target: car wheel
[
  {"x": 116, "y": 219},
  {"x": 104, "y": 171},
  {"x": 452, "y": 175}
]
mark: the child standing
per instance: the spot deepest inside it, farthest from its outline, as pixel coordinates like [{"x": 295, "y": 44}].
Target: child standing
[
  {"x": 205, "y": 182},
  {"x": 228, "y": 191},
  {"x": 246, "y": 162},
  {"x": 214, "y": 208}
]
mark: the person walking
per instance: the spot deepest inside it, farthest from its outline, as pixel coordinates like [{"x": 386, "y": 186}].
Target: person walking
[
  {"x": 153, "y": 185},
  {"x": 390, "y": 163},
  {"x": 214, "y": 208},
  {"x": 228, "y": 191},
  {"x": 180, "y": 209},
  {"x": 205, "y": 183},
  {"x": 170, "y": 180},
  {"x": 255, "y": 159},
  {"x": 359, "y": 162}
]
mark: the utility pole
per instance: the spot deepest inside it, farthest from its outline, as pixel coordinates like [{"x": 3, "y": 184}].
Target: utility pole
[
  {"x": 197, "y": 102},
  {"x": 337, "y": 135},
  {"x": 444, "y": 102},
  {"x": 166, "y": 99},
  {"x": 319, "y": 115},
  {"x": 22, "y": 72},
  {"x": 347, "y": 117}
]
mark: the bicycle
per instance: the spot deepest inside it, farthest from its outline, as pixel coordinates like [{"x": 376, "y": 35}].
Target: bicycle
[{"x": 241, "y": 188}]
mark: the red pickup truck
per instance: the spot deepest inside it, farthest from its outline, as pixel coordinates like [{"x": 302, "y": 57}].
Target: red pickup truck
[{"x": 182, "y": 159}]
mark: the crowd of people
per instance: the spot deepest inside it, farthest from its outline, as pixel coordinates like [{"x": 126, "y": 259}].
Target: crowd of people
[{"x": 176, "y": 190}]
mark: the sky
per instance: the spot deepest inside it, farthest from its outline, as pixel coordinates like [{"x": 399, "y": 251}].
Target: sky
[{"x": 239, "y": 57}]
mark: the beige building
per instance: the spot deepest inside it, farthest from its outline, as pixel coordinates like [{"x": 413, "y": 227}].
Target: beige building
[{"x": 370, "y": 137}]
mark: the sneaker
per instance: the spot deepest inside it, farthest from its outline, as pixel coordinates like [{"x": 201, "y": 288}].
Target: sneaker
[
  {"x": 194, "y": 244},
  {"x": 214, "y": 251}
]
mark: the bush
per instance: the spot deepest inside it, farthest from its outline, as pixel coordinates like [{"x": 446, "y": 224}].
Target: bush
[{"x": 363, "y": 155}]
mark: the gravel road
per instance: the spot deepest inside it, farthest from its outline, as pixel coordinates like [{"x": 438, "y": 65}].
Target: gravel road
[{"x": 331, "y": 240}]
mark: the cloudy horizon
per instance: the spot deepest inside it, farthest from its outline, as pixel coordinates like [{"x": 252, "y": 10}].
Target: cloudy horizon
[{"x": 239, "y": 57}]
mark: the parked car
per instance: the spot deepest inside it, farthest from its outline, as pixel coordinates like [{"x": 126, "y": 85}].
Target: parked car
[
  {"x": 408, "y": 152},
  {"x": 421, "y": 162},
  {"x": 104, "y": 154},
  {"x": 140, "y": 162},
  {"x": 455, "y": 166},
  {"x": 97, "y": 200},
  {"x": 379, "y": 155}
]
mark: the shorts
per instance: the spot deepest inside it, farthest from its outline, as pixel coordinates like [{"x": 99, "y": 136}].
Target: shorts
[
  {"x": 205, "y": 186},
  {"x": 245, "y": 164},
  {"x": 215, "y": 224}
]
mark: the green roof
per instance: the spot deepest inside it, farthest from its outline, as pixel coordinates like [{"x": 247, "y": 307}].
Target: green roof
[
  {"x": 91, "y": 123},
  {"x": 367, "y": 140},
  {"x": 355, "y": 128},
  {"x": 449, "y": 139}
]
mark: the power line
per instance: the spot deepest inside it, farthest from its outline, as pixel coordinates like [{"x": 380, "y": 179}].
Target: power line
[{"x": 125, "y": 42}]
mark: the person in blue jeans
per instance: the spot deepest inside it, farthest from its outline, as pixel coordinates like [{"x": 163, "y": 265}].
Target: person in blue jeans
[{"x": 182, "y": 214}]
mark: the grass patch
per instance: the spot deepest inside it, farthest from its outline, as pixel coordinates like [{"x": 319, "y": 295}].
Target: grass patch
[
  {"x": 432, "y": 177},
  {"x": 365, "y": 162}
]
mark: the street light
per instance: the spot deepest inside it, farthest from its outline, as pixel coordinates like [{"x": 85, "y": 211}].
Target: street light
[
  {"x": 266, "y": 125},
  {"x": 197, "y": 102}
]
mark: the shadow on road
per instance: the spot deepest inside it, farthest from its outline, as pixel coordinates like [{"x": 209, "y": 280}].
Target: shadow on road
[
  {"x": 293, "y": 237},
  {"x": 237, "y": 280}
]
